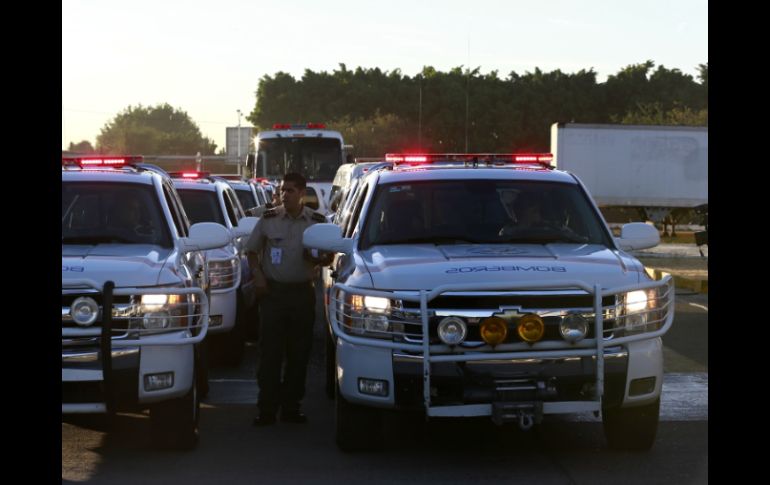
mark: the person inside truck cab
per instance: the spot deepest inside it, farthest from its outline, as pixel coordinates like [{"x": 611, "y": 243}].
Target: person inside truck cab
[
  {"x": 126, "y": 217},
  {"x": 524, "y": 210},
  {"x": 527, "y": 209}
]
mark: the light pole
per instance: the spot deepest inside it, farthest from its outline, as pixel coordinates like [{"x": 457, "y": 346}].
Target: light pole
[{"x": 239, "y": 142}]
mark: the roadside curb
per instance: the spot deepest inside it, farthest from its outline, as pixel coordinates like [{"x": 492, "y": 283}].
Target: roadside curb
[{"x": 684, "y": 282}]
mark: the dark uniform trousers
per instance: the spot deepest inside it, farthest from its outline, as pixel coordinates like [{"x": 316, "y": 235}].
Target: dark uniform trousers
[{"x": 287, "y": 313}]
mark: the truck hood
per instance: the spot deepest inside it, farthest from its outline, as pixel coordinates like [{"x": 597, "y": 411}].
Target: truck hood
[
  {"x": 426, "y": 266},
  {"x": 128, "y": 265}
]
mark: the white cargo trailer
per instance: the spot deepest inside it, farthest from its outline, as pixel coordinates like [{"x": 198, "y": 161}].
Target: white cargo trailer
[{"x": 657, "y": 169}]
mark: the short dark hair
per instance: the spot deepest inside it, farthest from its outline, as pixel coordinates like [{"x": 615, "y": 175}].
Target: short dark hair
[{"x": 296, "y": 178}]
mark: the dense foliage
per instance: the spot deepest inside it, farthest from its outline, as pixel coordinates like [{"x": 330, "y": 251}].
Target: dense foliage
[{"x": 379, "y": 111}]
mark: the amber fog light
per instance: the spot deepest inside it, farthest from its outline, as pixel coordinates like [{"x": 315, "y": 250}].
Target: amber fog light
[
  {"x": 493, "y": 330},
  {"x": 531, "y": 328}
]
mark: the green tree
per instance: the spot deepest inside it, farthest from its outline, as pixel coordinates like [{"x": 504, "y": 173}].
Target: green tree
[
  {"x": 503, "y": 115},
  {"x": 655, "y": 114},
  {"x": 82, "y": 147},
  {"x": 157, "y": 130},
  {"x": 373, "y": 137}
]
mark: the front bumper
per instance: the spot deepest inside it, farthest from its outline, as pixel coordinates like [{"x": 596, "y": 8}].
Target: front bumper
[
  {"x": 547, "y": 377},
  {"x": 510, "y": 380},
  {"x": 86, "y": 389},
  {"x": 223, "y": 305},
  {"x": 106, "y": 371}
]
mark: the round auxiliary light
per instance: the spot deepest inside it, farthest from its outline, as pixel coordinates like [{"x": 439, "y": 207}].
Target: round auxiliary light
[
  {"x": 531, "y": 328},
  {"x": 452, "y": 330},
  {"x": 573, "y": 328},
  {"x": 493, "y": 330},
  {"x": 84, "y": 311}
]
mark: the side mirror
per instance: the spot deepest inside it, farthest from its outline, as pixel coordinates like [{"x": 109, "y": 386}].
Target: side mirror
[
  {"x": 206, "y": 235},
  {"x": 326, "y": 237},
  {"x": 637, "y": 235},
  {"x": 245, "y": 226}
]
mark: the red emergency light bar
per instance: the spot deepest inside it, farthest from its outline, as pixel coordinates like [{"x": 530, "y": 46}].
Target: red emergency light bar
[
  {"x": 309, "y": 126},
  {"x": 101, "y": 161},
  {"x": 189, "y": 175},
  {"x": 490, "y": 159}
]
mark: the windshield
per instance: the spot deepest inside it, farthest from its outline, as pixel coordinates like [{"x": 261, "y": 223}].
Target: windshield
[
  {"x": 201, "y": 206},
  {"x": 246, "y": 198},
  {"x": 316, "y": 158},
  {"x": 112, "y": 213},
  {"x": 482, "y": 211}
]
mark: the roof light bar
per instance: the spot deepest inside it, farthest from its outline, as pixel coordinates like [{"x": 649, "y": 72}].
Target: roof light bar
[
  {"x": 489, "y": 159},
  {"x": 309, "y": 126},
  {"x": 190, "y": 175},
  {"x": 101, "y": 161}
]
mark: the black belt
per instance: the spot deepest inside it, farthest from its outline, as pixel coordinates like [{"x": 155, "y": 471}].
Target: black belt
[{"x": 278, "y": 285}]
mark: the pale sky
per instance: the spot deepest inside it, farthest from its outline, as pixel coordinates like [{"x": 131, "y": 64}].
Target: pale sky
[{"x": 206, "y": 57}]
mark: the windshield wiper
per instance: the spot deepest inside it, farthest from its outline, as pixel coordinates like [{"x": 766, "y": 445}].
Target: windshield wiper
[
  {"x": 431, "y": 240},
  {"x": 95, "y": 240},
  {"x": 540, "y": 239}
]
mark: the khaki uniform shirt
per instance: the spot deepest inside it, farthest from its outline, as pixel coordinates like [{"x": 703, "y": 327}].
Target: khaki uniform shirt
[{"x": 277, "y": 239}]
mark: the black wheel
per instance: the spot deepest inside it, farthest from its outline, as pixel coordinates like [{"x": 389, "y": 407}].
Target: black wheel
[
  {"x": 631, "y": 428},
  {"x": 357, "y": 427},
  {"x": 331, "y": 366},
  {"x": 175, "y": 422},
  {"x": 202, "y": 371}
]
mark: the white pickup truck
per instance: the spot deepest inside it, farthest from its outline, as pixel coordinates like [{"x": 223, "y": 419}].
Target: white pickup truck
[
  {"x": 134, "y": 296},
  {"x": 490, "y": 285}
]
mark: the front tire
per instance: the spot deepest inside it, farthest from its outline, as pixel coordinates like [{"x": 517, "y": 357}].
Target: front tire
[
  {"x": 175, "y": 422},
  {"x": 357, "y": 427},
  {"x": 331, "y": 367},
  {"x": 631, "y": 428},
  {"x": 233, "y": 341}
]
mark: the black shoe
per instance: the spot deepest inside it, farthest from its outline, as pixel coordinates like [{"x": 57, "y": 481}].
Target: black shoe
[
  {"x": 293, "y": 417},
  {"x": 264, "y": 420}
]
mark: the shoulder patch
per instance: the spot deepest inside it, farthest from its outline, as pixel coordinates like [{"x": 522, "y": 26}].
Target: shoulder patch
[
  {"x": 270, "y": 213},
  {"x": 317, "y": 217}
]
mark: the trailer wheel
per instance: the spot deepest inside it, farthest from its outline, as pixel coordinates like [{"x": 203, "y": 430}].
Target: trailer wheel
[
  {"x": 357, "y": 427},
  {"x": 631, "y": 428},
  {"x": 174, "y": 423}
]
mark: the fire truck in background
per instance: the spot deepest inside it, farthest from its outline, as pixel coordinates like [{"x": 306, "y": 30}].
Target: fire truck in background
[{"x": 309, "y": 149}]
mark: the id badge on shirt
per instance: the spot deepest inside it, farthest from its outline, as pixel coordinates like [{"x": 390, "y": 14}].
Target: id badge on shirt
[{"x": 275, "y": 255}]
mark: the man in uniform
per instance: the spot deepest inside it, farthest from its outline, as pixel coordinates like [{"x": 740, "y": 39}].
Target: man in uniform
[{"x": 284, "y": 273}]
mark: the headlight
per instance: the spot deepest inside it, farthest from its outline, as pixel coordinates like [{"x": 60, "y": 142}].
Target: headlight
[
  {"x": 376, "y": 304},
  {"x": 636, "y": 301},
  {"x": 639, "y": 312},
  {"x": 367, "y": 316},
  {"x": 222, "y": 272},
  {"x": 162, "y": 312}
]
